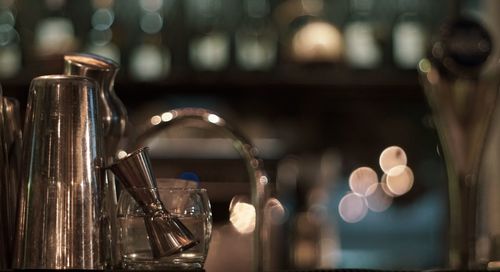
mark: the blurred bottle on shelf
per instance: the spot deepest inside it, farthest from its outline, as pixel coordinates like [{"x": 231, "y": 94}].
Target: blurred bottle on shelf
[
  {"x": 55, "y": 33},
  {"x": 315, "y": 241},
  {"x": 306, "y": 34},
  {"x": 317, "y": 41},
  {"x": 10, "y": 50},
  {"x": 409, "y": 36},
  {"x": 151, "y": 59},
  {"x": 101, "y": 35},
  {"x": 209, "y": 47},
  {"x": 256, "y": 42},
  {"x": 362, "y": 49}
]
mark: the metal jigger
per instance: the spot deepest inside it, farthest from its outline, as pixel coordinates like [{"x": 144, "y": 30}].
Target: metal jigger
[{"x": 167, "y": 235}]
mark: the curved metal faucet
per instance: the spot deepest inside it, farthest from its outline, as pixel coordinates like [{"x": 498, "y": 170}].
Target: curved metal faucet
[{"x": 254, "y": 165}]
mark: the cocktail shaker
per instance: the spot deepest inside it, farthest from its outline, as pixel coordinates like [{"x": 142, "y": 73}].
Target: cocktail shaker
[
  {"x": 167, "y": 234},
  {"x": 59, "y": 212},
  {"x": 113, "y": 118}
]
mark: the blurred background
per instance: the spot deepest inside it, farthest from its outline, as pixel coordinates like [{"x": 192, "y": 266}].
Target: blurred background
[{"x": 321, "y": 87}]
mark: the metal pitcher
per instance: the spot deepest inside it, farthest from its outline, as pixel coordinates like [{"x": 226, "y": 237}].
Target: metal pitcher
[{"x": 113, "y": 118}]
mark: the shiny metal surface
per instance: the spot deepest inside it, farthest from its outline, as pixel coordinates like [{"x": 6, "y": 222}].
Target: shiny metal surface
[
  {"x": 134, "y": 170},
  {"x": 112, "y": 110},
  {"x": 59, "y": 213},
  {"x": 254, "y": 165},
  {"x": 113, "y": 117},
  {"x": 12, "y": 144},
  {"x": 167, "y": 235},
  {"x": 5, "y": 252}
]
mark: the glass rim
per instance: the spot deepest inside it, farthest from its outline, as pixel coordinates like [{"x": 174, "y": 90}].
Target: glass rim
[
  {"x": 168, "y": 188},
  {"x": 93, "y": 61},
  {"x": 61, "y": 78}
]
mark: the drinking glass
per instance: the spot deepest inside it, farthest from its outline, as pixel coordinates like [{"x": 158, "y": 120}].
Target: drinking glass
[{"x": 190, "y": 205}]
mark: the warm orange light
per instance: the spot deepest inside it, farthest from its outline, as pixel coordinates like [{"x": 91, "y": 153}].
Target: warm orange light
[
  {"x": 400, "y": 180},
  {"x": 317, "y": 41}
]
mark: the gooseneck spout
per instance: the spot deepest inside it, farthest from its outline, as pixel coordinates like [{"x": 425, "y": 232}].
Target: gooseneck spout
[{"x": 258, "y": 176}]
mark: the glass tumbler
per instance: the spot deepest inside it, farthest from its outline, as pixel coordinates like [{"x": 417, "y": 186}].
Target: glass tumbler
[{"x": 190, "y": 205}]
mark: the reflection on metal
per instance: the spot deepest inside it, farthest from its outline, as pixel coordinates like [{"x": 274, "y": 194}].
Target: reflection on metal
[
  {"x": 59, "y": 217},
  {"x": 242, "y": 145}
]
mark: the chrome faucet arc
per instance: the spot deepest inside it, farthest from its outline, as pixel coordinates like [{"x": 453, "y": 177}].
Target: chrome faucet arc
[{"x": 258, "y": 177}]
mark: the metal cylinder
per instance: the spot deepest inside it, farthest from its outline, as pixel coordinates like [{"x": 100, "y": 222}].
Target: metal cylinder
[
  {"x": 59, "y": 212},
  {"x": 113, "y": 117}
]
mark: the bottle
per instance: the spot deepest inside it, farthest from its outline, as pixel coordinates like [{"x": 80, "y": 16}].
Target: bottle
[
  {"x": 10, "y": 50},
  {"x": 408, "y": 37},
  {"x": 362, "y": 50},
  {"x": 150, "y": 60},
  {"x": 101, "y": 35},
  {"x": 209, "y": 45},
  {"x": 55, "y": 33},
  {"x": 255, "y": 39}
]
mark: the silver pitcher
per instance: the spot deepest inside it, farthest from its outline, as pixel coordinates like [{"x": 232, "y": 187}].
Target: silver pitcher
[
  {"x": 59, "y": 213},
  {"x": 113, "y": 116}
]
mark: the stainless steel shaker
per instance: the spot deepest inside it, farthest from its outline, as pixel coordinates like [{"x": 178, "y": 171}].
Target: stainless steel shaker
[
  {"x": 59, "y": 213},
  {"x": 113, "y": 117}
]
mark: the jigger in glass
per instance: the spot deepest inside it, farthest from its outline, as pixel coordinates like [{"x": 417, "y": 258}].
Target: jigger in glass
[
  {"x": 190, "y": 205},
  {"x": 167, "y": 234}
]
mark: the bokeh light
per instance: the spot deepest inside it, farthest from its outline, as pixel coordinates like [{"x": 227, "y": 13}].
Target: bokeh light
[
  {"x": 400, "y": 180},
  {"x": 362, "y": 178},
  {"x": 213, "y": 118},
  {"x": 121, "y": 154},
  {"x": 242, "y": 215},
  {"x": 376, "y": 198},
  {"x": 352, "y": 208},
  {"x": 167, "y": 116},
  {"x": 391, "y": 157},
  {"x": 155, "y": 120},
  {"x": 317, "y": 41},
  {"x": 275, "y": 210},
  {"x": 383, "y": 184}
]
